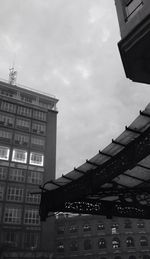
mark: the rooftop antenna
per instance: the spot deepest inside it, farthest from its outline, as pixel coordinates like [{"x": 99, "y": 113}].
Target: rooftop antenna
[{"x": 12, "y": 75}]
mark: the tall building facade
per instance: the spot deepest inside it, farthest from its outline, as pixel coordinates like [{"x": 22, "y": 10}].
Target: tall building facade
[
  {"x": 27, "y": 159},
  {"x": 134, "y": 23},
  {"x": 96, "y": 237}
]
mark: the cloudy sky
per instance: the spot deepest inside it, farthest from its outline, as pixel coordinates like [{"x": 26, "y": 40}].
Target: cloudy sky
[{"x": 69, "y": 48}]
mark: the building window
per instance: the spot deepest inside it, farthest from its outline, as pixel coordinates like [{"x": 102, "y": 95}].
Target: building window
[
  {"x": 19, "y": 156},
  {"x": 87, "y": 244},
  {"x": 34, "y": 177},
  {"x": 39, "y": 115},
  {"x": 6, "y": 120},
  {"x": 9, "y": 107},
  {"x": 3, "y": 173},
  {"x": 102, "y": 243},
  {"x": 27, "y": 98},
  {"x": 132, "y": 257},
  {"x": 17, "y": 175},
  {"x": 100, "y": 226},
  {"x": 86, "y": 228},
  {"x": 60, "y": 230},
  {"x": 38, "y": 128},
  {"x": 74, "y": 245},
  {"x": 140, "y": 224},
  {"x": 21, "y": 139},
  {"x": 4, "y": 153},
  {"x": 2, "y": 189},
  {"x": 128, "y": 224},
  {"x": 22, "y": 110},
  {"x": 10, "y": 238},
  {"x": 5, "y": 135},
  {"x": 143, "y": 241},
  {"x": 36, "y": 159},
  {"x": 31, "y": 217},
  {"x": 130, "y": 242},
  {"x": 23, "y": 124},
  {"x": 132, "y": 7},
  {"x": 12, "y": 215},
  {"x": 60, "y": 247},
  {"x": 32, "y": 198},
  {"x": 31, "y": 240},
  {"x": 73, "y": 229},
  {"x": 115, "y": 228},
  {"x": 37, "y": 142},
  {"x": 115, "y": 243},
  {"x": 15, "y": 194}
]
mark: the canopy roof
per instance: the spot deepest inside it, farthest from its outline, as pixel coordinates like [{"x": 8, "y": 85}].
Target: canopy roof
[{"x": 119, "y": 175}]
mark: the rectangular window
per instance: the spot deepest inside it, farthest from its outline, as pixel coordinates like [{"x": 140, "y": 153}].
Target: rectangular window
[
  {"x": 19, "y": 156},
  {"x": 15, "y": 194},
  {"x": 36, "y": 159},
  {"x": 10, "y": 237},
  {"x": 32, "y": 198},
  {"x": 25, "y": 111},
  {"x": 35, "y": 177},
  {"x": 23, "y": 124},
  {"x": 3, "y": 173},
  {"x": 38, "y": 128},
  {"x": 12, "y": 215},
  {"x": 21, "y": 139},
  {"x": 39, "y": 115},
  {"x": 4, "y": 153},
  {"x": 5, "y": 135},
  {"x": 31, "y": 240},
  {"x": 17, "y": 175},
  {"x": 132, "y": 7},
  {"x": 9, "y": 107},
  {"x": 2, "y": 189},
  {"x": 37, "y": 142},
  {"x": 31, "y": 217},
  {"x": 6, "y": 120}
]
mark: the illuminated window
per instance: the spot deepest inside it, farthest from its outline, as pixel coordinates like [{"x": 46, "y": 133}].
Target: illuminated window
[
  {"x": 60, "y": 247},
  {"x": 3, "y": 173},
  {"x": 36, "y": 159},
  {"x": 143, "y": 241},
  {"x": 4, "y": 153},
  {"x": 32, "y": 198},
  {"x": 133, "y": 6},
  {"x": 19, "y": 156},
  {"x": 115, "y": 243},
  {"x": 34, "y": 177},
  {"x": 115, "y": 228},
  {"x": 130, "y": 242},
  {"x": 12, "y": 215},
  {"x": 17, "y": 175},
  {"x": 86, "y": 228},
  {"x": 102, "y": 243},
  {"x": 140, "y": 224},
  {"x": 31, "y": 217},
  {"x": 15, "y": 194},
  {"x": 100, "y": 226}
]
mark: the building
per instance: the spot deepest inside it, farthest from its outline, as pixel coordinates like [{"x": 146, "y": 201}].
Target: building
[
  {"x": 96, "y": 237},
  {"x": 27, "y": 159},
  {"x": 134, "y": 22}
]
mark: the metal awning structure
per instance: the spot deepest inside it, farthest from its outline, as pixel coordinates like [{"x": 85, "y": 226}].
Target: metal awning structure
[{"x": 115, "y": 182}]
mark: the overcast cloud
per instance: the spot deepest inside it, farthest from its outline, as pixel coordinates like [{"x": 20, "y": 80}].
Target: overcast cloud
[{"x": 69, "y": 48}]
